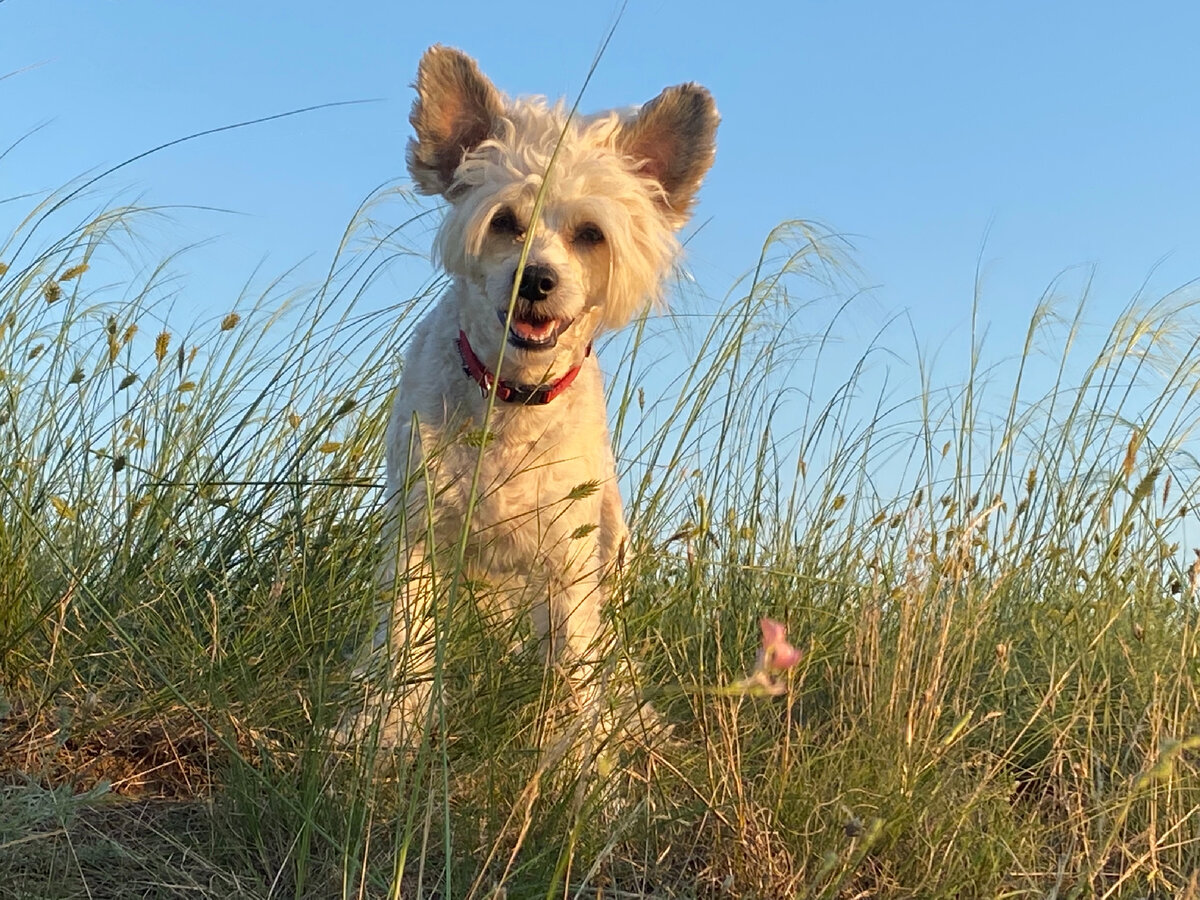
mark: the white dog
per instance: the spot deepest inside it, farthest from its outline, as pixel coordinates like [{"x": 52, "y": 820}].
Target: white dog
[{"x": 557, "y": 230}]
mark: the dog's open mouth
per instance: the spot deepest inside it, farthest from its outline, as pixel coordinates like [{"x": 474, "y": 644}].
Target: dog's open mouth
[{"x": 531, "y": 332}]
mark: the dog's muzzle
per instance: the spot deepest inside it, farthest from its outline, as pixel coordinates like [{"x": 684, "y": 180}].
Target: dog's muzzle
[{"x": 531, "y": 329}]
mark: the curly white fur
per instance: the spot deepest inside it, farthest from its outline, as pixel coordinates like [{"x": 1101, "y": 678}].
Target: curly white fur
[{"x": 547, "y": 524}]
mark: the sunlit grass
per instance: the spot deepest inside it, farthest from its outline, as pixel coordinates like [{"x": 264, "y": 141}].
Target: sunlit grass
[{"x": 997, "y": 698}]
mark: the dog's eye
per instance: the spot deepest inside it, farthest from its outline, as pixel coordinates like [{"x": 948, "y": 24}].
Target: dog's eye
[
  {"x": 505, "y": 222},
  {"x": 589, "y": 234}
]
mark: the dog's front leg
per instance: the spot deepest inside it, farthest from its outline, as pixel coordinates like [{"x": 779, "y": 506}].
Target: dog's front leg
[{"x": 575, "y": 634}]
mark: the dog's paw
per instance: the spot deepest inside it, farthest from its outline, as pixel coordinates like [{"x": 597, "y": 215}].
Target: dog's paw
[{"x": 389, "y": 721}]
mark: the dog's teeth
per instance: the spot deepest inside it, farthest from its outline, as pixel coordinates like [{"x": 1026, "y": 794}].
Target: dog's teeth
[{"x": 532, "y": 331}]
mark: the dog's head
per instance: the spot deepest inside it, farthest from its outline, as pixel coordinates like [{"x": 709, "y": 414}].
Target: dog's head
[{"x": 618, "y": 189}]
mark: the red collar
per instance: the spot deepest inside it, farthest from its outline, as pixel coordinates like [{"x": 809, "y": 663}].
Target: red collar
[{"x": 526, "y": 394}]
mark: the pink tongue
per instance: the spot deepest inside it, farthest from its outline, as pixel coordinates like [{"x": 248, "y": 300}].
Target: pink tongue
[{"x": 532, "y": 331}]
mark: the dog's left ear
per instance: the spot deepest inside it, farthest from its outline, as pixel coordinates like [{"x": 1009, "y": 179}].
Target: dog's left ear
[
  {"x": 455, "y": 110},
  {"x": 673, "y": 140}
]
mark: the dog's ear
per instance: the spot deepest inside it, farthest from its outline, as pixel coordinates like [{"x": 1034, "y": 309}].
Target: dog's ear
[
  {"x": 673, "y": 140},
  {"x": 455, "y": 110}
]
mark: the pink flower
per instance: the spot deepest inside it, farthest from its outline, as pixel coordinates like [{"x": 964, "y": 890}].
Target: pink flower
[{"x": 776, "y": 654}]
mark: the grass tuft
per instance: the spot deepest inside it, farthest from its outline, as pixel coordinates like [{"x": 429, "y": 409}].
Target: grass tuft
[{"x": 997, "y": 694}]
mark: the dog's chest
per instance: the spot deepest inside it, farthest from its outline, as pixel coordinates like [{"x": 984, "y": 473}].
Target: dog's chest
[{"x": 537, "y": 494}]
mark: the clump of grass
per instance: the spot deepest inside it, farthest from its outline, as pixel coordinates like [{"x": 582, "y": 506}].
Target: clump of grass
[
  {"x": 176, "y": 501},
  {"x": 998, "y": 693},
  {"x": 992, "y": 652}
]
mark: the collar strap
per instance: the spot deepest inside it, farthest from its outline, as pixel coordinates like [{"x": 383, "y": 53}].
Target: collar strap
[{"x": 525, "y": 394}]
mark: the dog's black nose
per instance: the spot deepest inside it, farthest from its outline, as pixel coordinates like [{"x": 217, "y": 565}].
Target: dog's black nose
[{"x": 537, "y": 283}]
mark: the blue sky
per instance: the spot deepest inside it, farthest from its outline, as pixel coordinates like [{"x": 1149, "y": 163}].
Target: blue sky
[{"x": 1032, "y": 136}]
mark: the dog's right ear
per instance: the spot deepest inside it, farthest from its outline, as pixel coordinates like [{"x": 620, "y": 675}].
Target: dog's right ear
[{"x": 455, "y": 110}]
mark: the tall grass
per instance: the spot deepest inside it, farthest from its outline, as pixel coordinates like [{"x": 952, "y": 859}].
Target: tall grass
[{"x": 998, "y": 695}]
